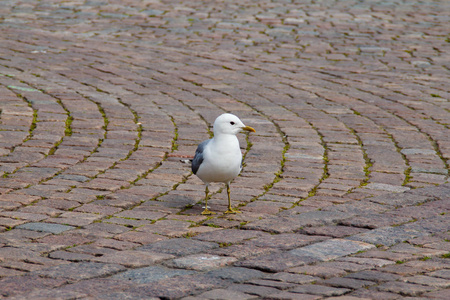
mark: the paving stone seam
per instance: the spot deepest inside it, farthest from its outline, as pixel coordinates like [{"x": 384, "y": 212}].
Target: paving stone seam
[
  {"x": 409, "y": 122},
  {"x": 431, "y": 140},
  {"x": 31, "y": 128},
  {"x": 55, "y": 147}
]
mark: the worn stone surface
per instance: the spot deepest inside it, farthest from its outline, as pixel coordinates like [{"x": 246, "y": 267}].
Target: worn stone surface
[
  {"x": 46, "y": 227},
  {"x": 405, "y": 289},
  {"x": 331, "y": 249},
  {"x": 445, "y": 273},
  {"x": 133, "y": 259},
  {"x": 225, "y": 294},
  {"x": 150, "y": 274},
  {"x": 320, "y": 290},
  {"x": 293, "y": 278},
  {"x": 374, "y": 275},
  {"x": 318, "y": 270},
  {"x": 80, "y": 271},
  {"x": 260, "y": 291},
  {"x": 229, "y": 236},
  {"x": 179, "y": 247},
  {"x": 236, "y": 274},
  {"x": 425, "y": 280},
  {"x": 15, "y": 285},
  {"x": 344, "y": 187},
  {"x": 201, "y": 262},
  {"x": 294, "y": 296},
  {"x": 388, "y": 236},
  {"x": 347, "y": 283},
  {"x": 178, "y": 287},
  {"x": 99, "y": 287},
  {"x": 277, "y": 262}
]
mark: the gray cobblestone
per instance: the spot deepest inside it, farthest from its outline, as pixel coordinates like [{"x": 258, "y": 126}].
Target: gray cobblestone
[
  {"x": 387, "y": 236},
  {"x": 440, "y": 274},
  {"x": 236, "y": 274},
  {"x": 201, "y": 262},
  {"x": 374, "y": 275},
  {"x": 150, "y": 274},
  {"x": 320, "y": 290},
  {"x": 331, "y": 249},
  {"x": 405, "y": 289},
  {"x": 79, "y": 271},
  {"x": 225, "y": 294},
  {"x": 179, "y": 246},
  {"x": 46, "y": 227}
]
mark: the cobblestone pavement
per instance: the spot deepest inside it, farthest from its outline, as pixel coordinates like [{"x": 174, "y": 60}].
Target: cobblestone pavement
[{"x": 344, "y": 193}]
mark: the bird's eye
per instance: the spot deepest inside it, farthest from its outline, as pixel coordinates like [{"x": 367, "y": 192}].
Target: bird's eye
[{"x": 232, "y": 123}]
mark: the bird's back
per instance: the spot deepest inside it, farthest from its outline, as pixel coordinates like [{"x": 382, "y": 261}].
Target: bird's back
[{"x": 198, "y": 158}]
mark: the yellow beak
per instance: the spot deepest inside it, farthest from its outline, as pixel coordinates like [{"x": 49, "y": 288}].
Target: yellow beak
[{"x": 248, "y": 128}]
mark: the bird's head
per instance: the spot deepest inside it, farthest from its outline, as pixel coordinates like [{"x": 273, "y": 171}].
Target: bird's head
[{"x": 229, "y": 124}]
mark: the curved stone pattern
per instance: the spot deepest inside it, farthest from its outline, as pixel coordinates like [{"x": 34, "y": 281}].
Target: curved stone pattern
[{"x": 344, "y": 190}]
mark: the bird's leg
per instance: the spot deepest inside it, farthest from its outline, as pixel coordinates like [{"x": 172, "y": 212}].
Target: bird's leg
[
  {"x": 230, "y": 210},
  {"x": 207, "y": 211}
]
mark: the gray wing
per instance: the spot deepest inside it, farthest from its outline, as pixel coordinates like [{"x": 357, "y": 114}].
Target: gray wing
[{"x": 198, "y": 158}]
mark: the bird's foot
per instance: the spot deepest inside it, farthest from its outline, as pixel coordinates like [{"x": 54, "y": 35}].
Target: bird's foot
[
  {"x": 232, "y": 211},
  {"x": 208, "y": 212}
]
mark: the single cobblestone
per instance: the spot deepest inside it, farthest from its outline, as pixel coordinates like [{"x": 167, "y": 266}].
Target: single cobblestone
[
  {"x": 320, "y": 290},
  {"x": 150, "y": 274},
  {"x": 388, "y": 236},
  {"x": 236, "y": 274},
  {"x": 225, "y": 294},
  {"x": 330, "y": 249},
  {"x": 201, "y": 262},
  {"x": 80, "y": 271},
  {"x": 180, "y": 247},
  {"x": 46, "y": 227}
]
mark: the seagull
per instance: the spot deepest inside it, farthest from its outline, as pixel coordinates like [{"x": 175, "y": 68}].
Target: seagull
[{"x": 220, "y": 159}]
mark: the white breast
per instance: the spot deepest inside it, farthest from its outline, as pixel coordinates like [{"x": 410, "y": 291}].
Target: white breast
[{"x": 221, "y": 160}]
